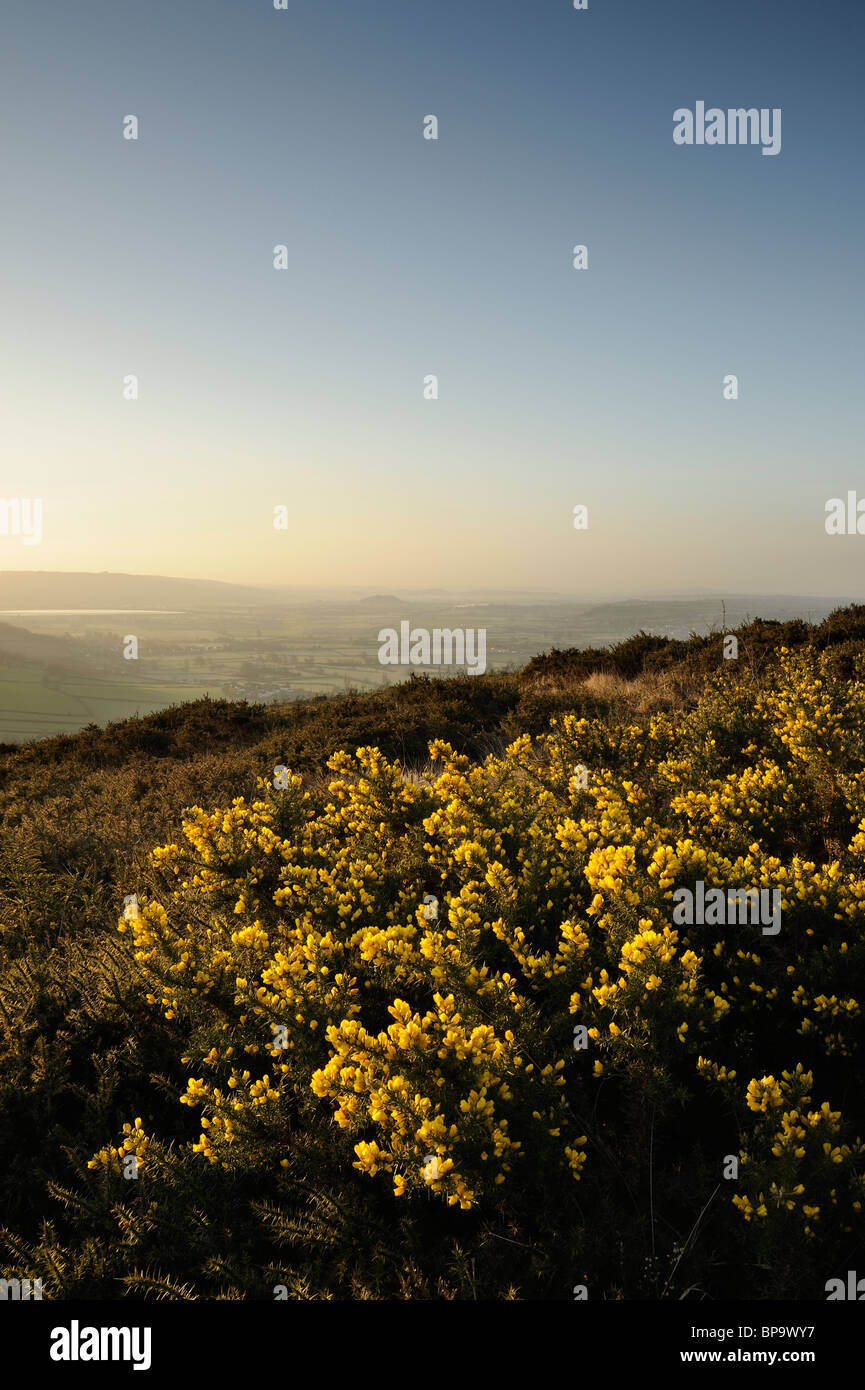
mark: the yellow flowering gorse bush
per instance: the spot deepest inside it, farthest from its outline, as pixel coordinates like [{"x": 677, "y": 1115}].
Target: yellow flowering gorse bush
[{"x": 474, "y": 981}]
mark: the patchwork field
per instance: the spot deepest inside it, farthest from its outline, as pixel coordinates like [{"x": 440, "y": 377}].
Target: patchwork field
[
  {"x": 60, "y": 671},
  {"x": 33, "y": 705}
]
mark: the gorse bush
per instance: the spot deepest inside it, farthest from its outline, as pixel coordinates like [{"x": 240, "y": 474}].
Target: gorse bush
[
  {"x": 440, "y": 1031},
  {"x": 399, "y": 975}
]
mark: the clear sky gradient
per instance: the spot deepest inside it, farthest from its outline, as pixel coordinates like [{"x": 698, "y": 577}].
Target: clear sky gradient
[{"x": 407, "y": 257}]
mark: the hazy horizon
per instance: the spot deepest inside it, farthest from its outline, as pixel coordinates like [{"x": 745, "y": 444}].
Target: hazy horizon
[
  {"x": 88, "y": 648},
  {"x": 389, "y": 590}
]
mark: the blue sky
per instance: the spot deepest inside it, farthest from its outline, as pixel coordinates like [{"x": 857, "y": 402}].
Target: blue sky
[{"x": 407, "y": 257}]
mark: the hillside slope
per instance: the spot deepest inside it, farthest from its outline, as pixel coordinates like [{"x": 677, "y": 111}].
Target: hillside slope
[{"x": 546, "y": 886}]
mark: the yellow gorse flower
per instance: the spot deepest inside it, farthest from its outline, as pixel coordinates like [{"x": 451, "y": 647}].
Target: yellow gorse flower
[{"x": 458, "y": 1053}]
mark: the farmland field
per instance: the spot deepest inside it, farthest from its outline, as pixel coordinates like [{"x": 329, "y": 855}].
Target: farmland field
[
  {"x": 63, "y": 670},
  {"x": 33, "y": 705}
]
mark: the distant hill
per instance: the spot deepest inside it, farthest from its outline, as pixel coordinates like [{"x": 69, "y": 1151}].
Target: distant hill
[
  {"x": 21, "y": 589},
  {"x": 17, "y": 644},
  {"x": 376, "y": 601},
  {"x": 49, "y": 589}
]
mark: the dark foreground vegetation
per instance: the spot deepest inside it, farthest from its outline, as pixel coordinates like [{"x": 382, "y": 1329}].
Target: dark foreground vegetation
[{"x": 424, "y": 1126}]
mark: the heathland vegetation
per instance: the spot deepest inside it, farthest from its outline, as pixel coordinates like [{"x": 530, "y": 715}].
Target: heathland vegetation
[{"x": 416, "y": 1022}]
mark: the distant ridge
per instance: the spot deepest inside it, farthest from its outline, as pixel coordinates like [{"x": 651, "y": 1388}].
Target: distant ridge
[
  {"x": 379, "y": 601},
  {"x": 23, "y": 589}
]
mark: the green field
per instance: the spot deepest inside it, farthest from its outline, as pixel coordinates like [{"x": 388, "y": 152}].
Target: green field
[
  {"x": 61, "y": 670},
  {"x": 33, "y": 706}
]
